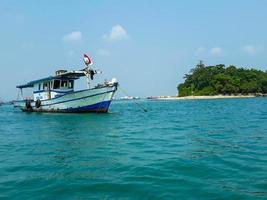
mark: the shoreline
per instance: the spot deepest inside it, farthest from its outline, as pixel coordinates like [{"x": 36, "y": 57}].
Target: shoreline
[{"x": 201, "y": 97}]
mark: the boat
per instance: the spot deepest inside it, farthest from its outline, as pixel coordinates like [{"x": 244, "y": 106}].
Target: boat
[
  {"x": 129, "y": 98},
  {"x": 56, "y": 93}
]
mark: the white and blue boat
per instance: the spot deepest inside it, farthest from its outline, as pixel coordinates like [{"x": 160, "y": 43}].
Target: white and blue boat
[{"x": 56, "y": 93}]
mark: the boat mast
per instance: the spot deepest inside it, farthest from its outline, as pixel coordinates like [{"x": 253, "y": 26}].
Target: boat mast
[
  {"x": 87, "y": 74},
  {"x": 88, "y": 61}
]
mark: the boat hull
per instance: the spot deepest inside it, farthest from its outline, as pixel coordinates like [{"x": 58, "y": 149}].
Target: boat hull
[{"x": 84, "y": 101}]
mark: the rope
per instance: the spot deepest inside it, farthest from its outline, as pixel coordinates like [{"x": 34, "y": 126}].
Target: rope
[{"x": 139, "y": 105}]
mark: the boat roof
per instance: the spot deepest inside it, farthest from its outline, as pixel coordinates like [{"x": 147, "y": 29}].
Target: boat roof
[{"x": 68, "y": 75}]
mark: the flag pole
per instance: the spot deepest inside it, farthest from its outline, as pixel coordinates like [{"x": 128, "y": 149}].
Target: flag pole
[{"x": 87, "y": 61}]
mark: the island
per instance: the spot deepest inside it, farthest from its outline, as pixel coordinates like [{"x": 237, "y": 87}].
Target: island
[{"x": 220, "y": 80}]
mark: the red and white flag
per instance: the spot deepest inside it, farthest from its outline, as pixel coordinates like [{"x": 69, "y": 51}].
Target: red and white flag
[{"x": 87, "y": 60}]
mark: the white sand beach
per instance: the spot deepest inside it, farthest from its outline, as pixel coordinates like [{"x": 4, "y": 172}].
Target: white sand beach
[{"x": 202, "y": 97}]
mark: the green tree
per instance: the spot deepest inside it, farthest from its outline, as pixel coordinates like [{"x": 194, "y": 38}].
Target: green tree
[{"x": 218, "y": 79}]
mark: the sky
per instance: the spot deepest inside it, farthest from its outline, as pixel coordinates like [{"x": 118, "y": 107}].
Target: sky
[{"x": 147, "y": 45}]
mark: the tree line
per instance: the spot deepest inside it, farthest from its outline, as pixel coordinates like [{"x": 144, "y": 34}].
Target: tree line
[{"x": 219, "y": 79}]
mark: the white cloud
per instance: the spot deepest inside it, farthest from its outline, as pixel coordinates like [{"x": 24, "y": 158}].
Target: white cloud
[
  {"x": 103, "y": 52},
  {"x": 73, "y": 37},
  {"x": 117, "y": 33},
  {"x": 216, "y": 51},
  {"x": 251, "y": 49}
]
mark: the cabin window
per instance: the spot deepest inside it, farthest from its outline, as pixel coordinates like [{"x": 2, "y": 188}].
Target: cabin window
[
  {"x": 39, "y": 86},
  {"x": 64, "y": 84},
  {"x": 45, "y": 86},
  {"x": 71, "y": 84},
  {"x": 56, "y": 84}
]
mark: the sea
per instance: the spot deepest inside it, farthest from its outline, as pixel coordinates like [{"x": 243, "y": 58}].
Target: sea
[{"x": 178, "y": 149}]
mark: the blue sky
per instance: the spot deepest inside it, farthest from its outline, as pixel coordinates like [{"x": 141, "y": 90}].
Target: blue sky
[{"x": 147, "y": 45}]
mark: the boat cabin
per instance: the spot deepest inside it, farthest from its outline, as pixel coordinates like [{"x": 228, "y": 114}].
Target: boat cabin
[{"x": 53, "y": 86}]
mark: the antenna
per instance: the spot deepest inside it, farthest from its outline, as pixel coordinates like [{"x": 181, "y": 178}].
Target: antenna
[{"x": 200, "y": 64}]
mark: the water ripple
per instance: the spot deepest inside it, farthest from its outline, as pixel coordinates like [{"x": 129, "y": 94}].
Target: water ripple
[{"x": 208, "y": 149}]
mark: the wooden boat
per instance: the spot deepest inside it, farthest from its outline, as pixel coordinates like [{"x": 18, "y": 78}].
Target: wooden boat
[{"x": 56, "y": 93}]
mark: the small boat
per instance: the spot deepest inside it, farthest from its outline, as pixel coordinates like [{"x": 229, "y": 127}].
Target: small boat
[{"x": 56, "y": 93}]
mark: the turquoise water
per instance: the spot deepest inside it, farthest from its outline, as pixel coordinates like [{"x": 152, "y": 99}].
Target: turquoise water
[{"x": 195, "y": 149}]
